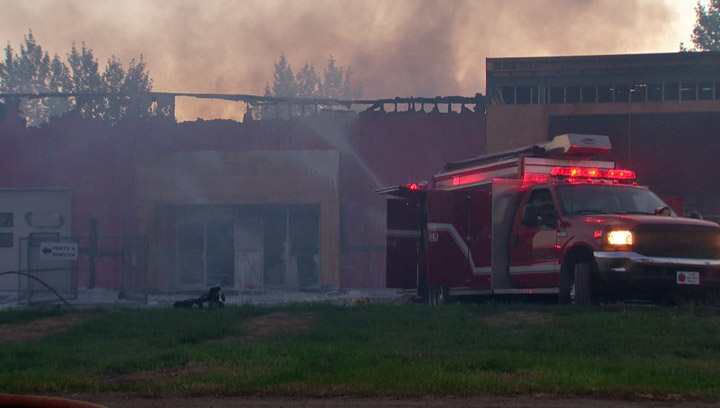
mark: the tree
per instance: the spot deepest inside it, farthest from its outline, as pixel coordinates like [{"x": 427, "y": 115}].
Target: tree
[
  {"x": 308, "y": 82},
  {"x": 336, "y": 84},
  {"x": 32, "y": 71},
  {"x": 86, "y": 79},
  {"x": 349, "y": 91},
  {"x": 125, "y": 89},
  {"x": 111, "y": 96},
  {"x": 706, "y": 34},
  {"x": 333, "y": 80},
  {"x": 137, "y": 82},
  {"x": 284, "y": 84}
]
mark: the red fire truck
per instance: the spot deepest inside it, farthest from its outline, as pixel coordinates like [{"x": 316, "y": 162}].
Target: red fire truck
[{"x": 547, "y": 219}]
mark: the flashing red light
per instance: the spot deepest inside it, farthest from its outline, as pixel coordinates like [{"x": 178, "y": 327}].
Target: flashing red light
[
  {"x": 561, "y": 171},
  {"x": 621, "y": 174},
  {"x": 412, "y": 187},
  {"x": 592, "y": 173},
  {"x": 597, "y": 234},
  {"x": 574, "y": 172}
]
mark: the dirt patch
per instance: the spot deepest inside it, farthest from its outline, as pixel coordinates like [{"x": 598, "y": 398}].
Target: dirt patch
[
  {"x": 163, "y": 377},
  {"x": 515, "y": 319},
  {"x": 40, "y": 328},
  {"x": 119, "y": 401},
  {"x": 272, "y": 325}
]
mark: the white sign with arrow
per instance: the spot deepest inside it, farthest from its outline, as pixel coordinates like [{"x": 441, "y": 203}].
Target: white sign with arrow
[{"x": 59, "y": 251}]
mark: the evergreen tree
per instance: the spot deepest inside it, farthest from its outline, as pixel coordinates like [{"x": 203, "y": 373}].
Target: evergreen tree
[
  {"x": 333, "y": 80},
  {"x": 33, "y": 71},
  {"x": 284, "y": 84},
  {"x": 706, "y": 34},
  {"x": 349, "y": 91},
  {"x": 137, "y": 81},
  {"x": 308, "y": 82},
  {"x": 86, "y": 79},
  {"x": 335, "y": 84}
]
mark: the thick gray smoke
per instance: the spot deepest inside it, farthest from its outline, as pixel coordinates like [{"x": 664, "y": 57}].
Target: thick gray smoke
[{"x": 396, "y": 48}]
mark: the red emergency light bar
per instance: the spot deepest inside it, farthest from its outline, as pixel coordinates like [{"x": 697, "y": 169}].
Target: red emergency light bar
[
  {"x": 419, "y": 186},
  {"x": 593, "y": 173}
]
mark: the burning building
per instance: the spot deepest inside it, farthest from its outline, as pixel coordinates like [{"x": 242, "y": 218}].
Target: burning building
[{"x": 273, "y": 204}]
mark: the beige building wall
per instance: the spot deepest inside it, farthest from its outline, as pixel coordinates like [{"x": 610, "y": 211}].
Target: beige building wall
[
  {"x": 511, "y": 126},
  {"x": 239, "y": 178}
]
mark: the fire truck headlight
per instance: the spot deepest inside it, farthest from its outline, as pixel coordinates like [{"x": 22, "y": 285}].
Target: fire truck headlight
[{"x": 620, "y": 238}]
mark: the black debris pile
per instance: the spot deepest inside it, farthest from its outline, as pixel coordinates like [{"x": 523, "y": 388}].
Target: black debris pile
[{"x": 214, "y": 298}]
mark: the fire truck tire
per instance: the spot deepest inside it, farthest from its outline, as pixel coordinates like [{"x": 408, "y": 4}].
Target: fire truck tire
[
  {"x": 438, "y": 296},
  {"x": 566, "y": 283},
  {"x": 583, "y": 285}
]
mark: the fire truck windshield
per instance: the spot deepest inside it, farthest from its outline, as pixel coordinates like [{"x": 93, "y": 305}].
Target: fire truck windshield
[{"x": 584, "y": 199}]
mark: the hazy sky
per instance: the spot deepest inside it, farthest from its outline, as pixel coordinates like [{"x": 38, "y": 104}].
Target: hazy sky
[{"x": 395, "y": 47}]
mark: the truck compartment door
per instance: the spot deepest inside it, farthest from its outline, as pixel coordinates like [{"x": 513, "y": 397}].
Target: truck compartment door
[
  {"x": 458, "y": 239},
  {"x": 405, "y": 246}
]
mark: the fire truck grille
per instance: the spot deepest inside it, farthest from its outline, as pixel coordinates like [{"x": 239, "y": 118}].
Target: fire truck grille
[{"x": 678, "y": 241}]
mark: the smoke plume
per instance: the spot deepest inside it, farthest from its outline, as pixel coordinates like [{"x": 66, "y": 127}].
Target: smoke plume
[{"x": 395, "y": 48}]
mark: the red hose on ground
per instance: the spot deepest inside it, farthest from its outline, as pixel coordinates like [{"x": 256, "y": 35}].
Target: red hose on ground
[
  {"x": 32, "y": 401},
  {"x": 39, "y": 280}
]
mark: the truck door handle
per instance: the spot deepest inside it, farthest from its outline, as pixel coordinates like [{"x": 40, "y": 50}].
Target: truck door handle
[{"x": 517, "y": 239}]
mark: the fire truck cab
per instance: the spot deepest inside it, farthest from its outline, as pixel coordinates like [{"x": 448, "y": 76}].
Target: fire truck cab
[{"x": 546, "y": 219}]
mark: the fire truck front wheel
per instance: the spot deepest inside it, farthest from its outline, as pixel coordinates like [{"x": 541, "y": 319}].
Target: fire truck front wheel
[
  {"x": 583, "y": 284},
  {"x": 438, "y": 295},
  {"x": 576, "y": 283}
]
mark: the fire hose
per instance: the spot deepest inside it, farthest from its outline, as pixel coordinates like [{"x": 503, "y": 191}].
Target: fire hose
[
  {"x": 39, "y": 280},
  {"x": 33, "y": 401}
]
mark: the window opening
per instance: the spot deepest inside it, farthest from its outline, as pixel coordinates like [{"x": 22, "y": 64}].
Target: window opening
[
  {"x": 638, "y": 93},
  {"x": 523, "y": 94},
  {"x": 572, "y": 94},
  {"x": 672, "y": 92},
  {"x": 622, "y": 93},
  {"x": 220, "y": 264},
  {"x": 557, "y": 94},
  {"x": 688, "y": 91},
  {"x": 508, "y": 95},
  {"x": 605, "y": 93},
  {"x": 6, "y": 219},
  {"x": 191, "y": 251},
  {"x": 589, "y": 94},
  {"x": 305, "y": 245},
  {"x": 6, "y": 239},
  {"x": 655, "y": 92},
  {"x": 706, "y": 91}
]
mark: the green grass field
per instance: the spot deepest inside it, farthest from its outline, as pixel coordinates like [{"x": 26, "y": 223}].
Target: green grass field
[{"x": 369, "y": 350}]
